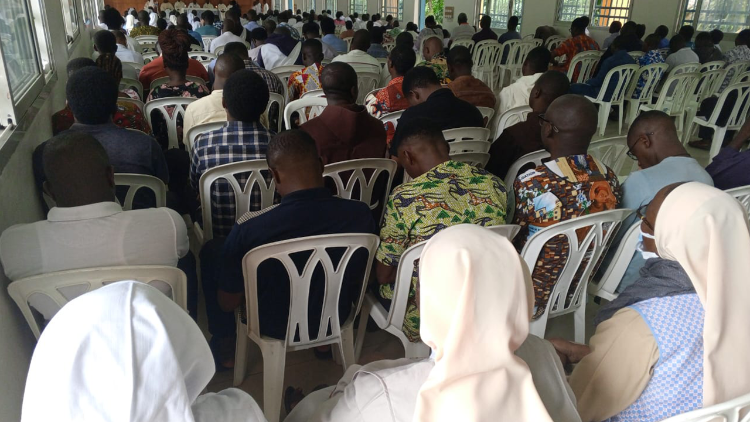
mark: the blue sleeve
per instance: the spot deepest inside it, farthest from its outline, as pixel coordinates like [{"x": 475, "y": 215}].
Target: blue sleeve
[
  {"x": 598, "y": 80},
  {"x": 235, "y": 247},
  {"x": 633, "y": 189},
  {"x": 158, "y": 162}
]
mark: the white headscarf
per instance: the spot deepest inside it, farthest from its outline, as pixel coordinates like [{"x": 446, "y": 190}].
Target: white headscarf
[
  {"x": 125, "y": 352},
  {"x": 475, "y": 303},
  {"x": 706, "y": 231}
]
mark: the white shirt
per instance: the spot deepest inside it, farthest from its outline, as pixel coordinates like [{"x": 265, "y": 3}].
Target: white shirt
[
  {"x": 127, "y": 55},
  {"x": 359, "y": 25},
  {"x": 196, "y": 24},
  {"x": 193, "y": 5},
  {"x": 208, "y": 6},
  {"x": 517, "y": 93},
  {"x": 328, "y": 52},
  {"x": 208, "y": 109},
  {"x": 685, "y": 55},
  {"x": 153, "y": 17},
  {"x": 95, "y": 235},
  {"x": 223, "y": 40},
  {"x": 129, "y": 23},
  {"x": 272, "y": 56},
  {"x": 167, "y": 6},
  {"x": 179, "y": 5},
  {"x": 462, "y": 32},
  {"x": 357, "y": 57},
  {"x": 133, "y": 45}
]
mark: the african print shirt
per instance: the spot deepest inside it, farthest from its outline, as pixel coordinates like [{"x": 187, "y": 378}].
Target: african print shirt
[
  {"x": 302, "y": 81},
  {"x": 127, "y": 116},
  {"x": 388, "y": 100},
  {"x": 652, "y": 57},
  {"x": 439, "y": 65},
  {"x": 189, "y": 89},
  {"x": 572, "y": 46},
  {"x": 144, "y": 30},
  {"x": 556, "y": 191},
  {"x": 449, "y": 194}
]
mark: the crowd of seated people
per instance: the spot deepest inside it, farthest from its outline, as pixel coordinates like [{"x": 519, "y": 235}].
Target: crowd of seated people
[{"x": 660, "y": 349}]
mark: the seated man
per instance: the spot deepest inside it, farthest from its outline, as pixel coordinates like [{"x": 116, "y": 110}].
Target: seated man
[
  {"x": 430, "y": 29},
  {"x": 146, "y": 25},
  {"x": 183, "y": 23},
  {"x": 243, "y": 138},
  {"x": 376, "y": 44},
  {"x": 592, "y": 87},
  {"x": 88, "y": 228},
  {"x": 486, "y": 32},
  {"x": 442, "y": 193},
  {"x": 211, "y": 108},
  {"x": 463, "y": 31},
  {"x": 328, "y": 26},
  {"x": 345, "y": 130},
  {"x": 307, "y": 208},
  {"x": 311, "y": 31},
  {"x": 512, "y": 33},
  {"x": 155, "y": 69},
  {"x": 731, "y": 168},
  {"x": 570, "y": 185},
  {"x": 465, "y": 86},
  {"x": 392, "y": 98},
  {"x": 207, "y": 25},
  {"x": 307, "y": 79},
  {"x": 358, "y": 53},
  {"x": 654, "y": 142},
  {"x": 229, "y": 33},
  {"x": 577, "y": 43},
  {"x": 277, "y": 47},
  {"x": 434, "y": 58},
  {"x": 517, "y": 93},
  {"x": 525, "y": 137},
  {"x": 680, "y": 53},
  {"x": 123, "y": 53},
  {"x": 431, "y": 101}
]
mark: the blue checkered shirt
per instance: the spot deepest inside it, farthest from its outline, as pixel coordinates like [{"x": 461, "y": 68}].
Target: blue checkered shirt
[
  {"x": 237, "y": 141},
  {"x": 272, "y": 80}
]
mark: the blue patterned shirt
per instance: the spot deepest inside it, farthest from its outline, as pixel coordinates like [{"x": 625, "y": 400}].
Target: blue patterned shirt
[
  {"x": 237, "y": 141},
  {"x": 292, "y": 30},
  {"x": 652, "y": 57}
]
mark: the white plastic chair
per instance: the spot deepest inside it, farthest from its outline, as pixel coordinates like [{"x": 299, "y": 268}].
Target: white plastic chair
[
  {"x": 612, "y": 152},
  {"x": 707, "y": 86},
  {"x": 63, "y": 286},
  {"x": 135, "y": 182},
  {"x": 459, "y": 147},
  {"x": 516, "y": 56},
  {"x": 715, "y": 65},
  {"x": 207, "y": 41},
  {"x": 729, "y": 411},
  {"x": 165, "y": 79},
  {"x": 652, "y": 75},
  {"x": 606, "y": 287},
  {"x": 218, "y": 51},
  {"x": 355, "y": 171},
  {"x": 316, "y": 104},
  {"x": 486, "y": 56},
  {"x": 624, "y": 77},
  {"x": 298, "y": 336},
  {"x": 138, "y": 103},
  {"x": 508, "y": 119},
  {"x": 134, "y": 65},
  {"x": 193, "y": 133},
  {"x": 476, "y": 159},
  {"x": 127, "y": 83},
  {"x": 274, "y": 98},
  {"x": 314, "y": 93},
  {"x": 742, "y": 194},
  {"x": 179, "y": 104},
  {"x": 487, "y": 114},
  {"x": 465, "y": 42},
  {"x": 586, "y": 62},
  {"x": 467, "y": 134},
  {"x": 348, "y": 41},
  {"x": 147, "y": 41},
  {"x": 392, "y": 118},
  {"x": 195, "y": 47},
  {"x": 389, "y": 46},
  {"x": 684, "y": 68},
  {"x": 202, "y": 56},
  {"x": 149, "y": 56},
  {"x": 674, "y": 95},
  {"x": 736, "y": 118},
  {"x": 242, "y": 192},
  {"x": 536, "y": 158},
  {"x": 636, "y": 55},
  {"x": 366, "y": 82},
  {"x": 735, "y": 70},
  {"x": 284, "y": 72},
  {"x": 553, "y": 42},
  {"x": 603, "y": 227}
]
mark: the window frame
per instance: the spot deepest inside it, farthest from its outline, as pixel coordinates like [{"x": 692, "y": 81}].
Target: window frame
[
  {"x": 77, "y": 29},
  {"x": 591, "y": 9},
  {"x": 399, "y": 10},
  {"x": 695, "y": 22},
  {"x": 513, "y": 10}
]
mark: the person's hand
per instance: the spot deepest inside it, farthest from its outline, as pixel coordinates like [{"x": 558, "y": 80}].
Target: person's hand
[
  {"x": 742, "y": 135},
  {"x": 568, "y": 351}
]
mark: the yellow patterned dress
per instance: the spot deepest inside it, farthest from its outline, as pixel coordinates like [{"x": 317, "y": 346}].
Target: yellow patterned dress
[{"x": 449, "y": 194}]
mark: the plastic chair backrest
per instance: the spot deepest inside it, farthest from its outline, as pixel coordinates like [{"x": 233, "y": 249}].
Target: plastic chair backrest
[
  {"x": 202, "y": 56},
  {"x": 508, "y": 119},
  {"x": 467, "y": 134},
  {"x": 487, "y": 54},
  {"x": 274, "y": 98},
  {"x": 612, "y": 152},
  {"x": 624, "y": 75},
  {"x": 509, "y": 231},
  {"x": 389, "y": 46},
  {"x": 218, "y": 51},
  {"x": 476, "y": 159},
  {"x": 742, "y": 194},
  {"x": 466, "y": 42},
  {"x": 718, "y": 64},
  {"x": 735, "y": 70},
  {"x": 366, "y": 82},
  {"x": 178, "y": 104},
  {"x": 355, "y": 171},
  {"x": 348, "y": 41},
  {"x": 134, "y": 65},
  {"x": 458, "y": 147},
  {"x": 63, "y": 286},
  {"x": 585, "y": 62},
  {"x": 242, "y": 194},
  {"x": 741, "y": 106},
  {"x": 314, "y": 93},
  {"x": 197, "y": 130},
  {"x": 735, "y": 410},
  {"x": 147, "y": 57},
  {"x": 708, "y": 85},
  {"x": 636, "y": 54},
  {"x": 553, "y": 42},
  {"x": 298, "y": 333},
  {"x": 536, "y": 158},
  {"x": 126, "y": 83},
  {"x": 207, "y": 41},
  {"x": 607, "y": 286},
  {"x": 165, "y": 79},
  {"x": 743, "y": 77},
  {"x": 536, "y": 41},
  {"x": 675, "y": 93},
  {"x": 195, "y": 47},
  {"x": 602, "y": 229},
  {"x": 652, "y": 75},
  {"x": 147, "y": 40},
  {"x": 316, "y": 104},
  {"x": 685, "y": 68},
  {"x": 392, "y": 118},
  {"x": 137, "y": 103},
  {"x": 487, "y": 114},
  {"x": 522, "y": 50},
  {"x": 284, "y": 72},
  {"x": 137, "y": 181}
]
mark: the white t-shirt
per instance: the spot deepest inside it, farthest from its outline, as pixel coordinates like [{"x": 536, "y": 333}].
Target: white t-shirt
[
  {"x": 357, "y": 57},
  {"x": 223, "y": 40}
]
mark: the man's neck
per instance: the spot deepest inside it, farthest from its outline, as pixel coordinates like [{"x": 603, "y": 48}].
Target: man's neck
[
  {"x": 566, "y": 152},
  {"x": 219, "y": 83},
  {"x": 90, "y": 199}
]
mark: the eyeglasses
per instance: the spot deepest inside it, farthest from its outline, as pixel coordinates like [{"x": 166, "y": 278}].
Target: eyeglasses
[
  {"x": 542, "y": 120},
  {"x": 641, "y": 214},
  {"x": 630, "y": 150}
]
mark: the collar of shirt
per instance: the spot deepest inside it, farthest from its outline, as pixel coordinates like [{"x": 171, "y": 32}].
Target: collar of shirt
[
  {"x": 82, "y": 126},
  {"x": 84, "y": 212},
  {"x": 237, "y": 126},
  {"x": 442, "y": 92},
  {"x": 306, "y": 195},
  {"x": 396, "y": 81}
]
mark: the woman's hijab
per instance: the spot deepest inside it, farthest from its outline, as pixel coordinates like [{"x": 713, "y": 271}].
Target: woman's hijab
[
  {"x": 476, "y": 301},
  {"x": 706, "y": 231},
  {"x": 126, "y": 352}
]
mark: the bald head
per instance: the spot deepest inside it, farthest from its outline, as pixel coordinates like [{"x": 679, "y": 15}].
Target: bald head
[
  {"x": 572, "y": 122},
  {"x": 432, "y": 47},
  {"x": 653, "y": 137},
  {"x": 339, "y": 81},
  {"x": 550, "y": 86},
  {"x": 295, "y": 164},
  {"x": 226, "y": 65},
  {"x": 77, "y": 170},
  {"x": 361, "y": 40}
]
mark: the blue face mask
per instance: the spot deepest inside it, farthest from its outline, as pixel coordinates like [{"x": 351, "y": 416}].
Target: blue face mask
[{"x": 639, "y": 247}]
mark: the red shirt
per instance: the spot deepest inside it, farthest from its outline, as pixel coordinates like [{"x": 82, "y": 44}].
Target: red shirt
[{"x": 155, "y": 69}]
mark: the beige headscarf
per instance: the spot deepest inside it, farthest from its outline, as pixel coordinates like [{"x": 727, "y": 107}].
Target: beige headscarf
[
  {"x": 476, "y": 301},
  {"x": 706, "y": 231}
]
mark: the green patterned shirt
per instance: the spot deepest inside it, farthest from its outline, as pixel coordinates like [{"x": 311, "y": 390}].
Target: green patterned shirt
[
  {"x": 449, "y": 194},
  {"x": 439, "y": 65}
]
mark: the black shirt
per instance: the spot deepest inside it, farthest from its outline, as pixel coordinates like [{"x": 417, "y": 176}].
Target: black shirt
[{"x": 310, "y": 212}]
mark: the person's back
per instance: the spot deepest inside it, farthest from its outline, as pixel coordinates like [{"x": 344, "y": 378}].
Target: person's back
[
  {"x": 434, "y": 58},
  {"x": 228, "y": 34},
  {"x": 357, "y": 55},
  {"x": 464, "y": 31},
  {"x": 464, "y": 85},
  {"x": 680, "y": 53},
  {"x": 392, "y": 98},
  {"x": 376, "y": 44},
  {"x": 328, "y": 27},
  {"x": 207, "y": 27},
  {"x": 512, "y": 33},
  {"x": 485, "y": 33},
  {"x": 345, "y": 130},
  {"x": 577, "y": 43},
  {"x": 593, "y": 86},
  {"x": 517, "y": 93}
]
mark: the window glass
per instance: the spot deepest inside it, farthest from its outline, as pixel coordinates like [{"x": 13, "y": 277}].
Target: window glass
[
  {"x": 730, "y": 16},
  {"x": 19, "y": 49},
  {"x": 359, "y": 6},
  {"x": 608, "y": 11},
  {"x": 567, "y": 10},
  {"x": 70, "y": 20},
  {"x": 394, "y": 8},
  {"x": 501, "y": 10}
]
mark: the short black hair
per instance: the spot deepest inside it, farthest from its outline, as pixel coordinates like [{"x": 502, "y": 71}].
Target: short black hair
[
  {"x": 291, "y": 147},
  {"x": 403, "y": 58},
  {"x": 315, "y": 44},
  {"x": 112, "y": 18},
  {"x": 418, "y": 128},
  {"x": 161, "y": 23},
  {"x": 662, "y": 31},
  {"x": 539, "y": 58},
  {"x": 579, "y": 23},
  {"x": 411, "y": 26},
  {"x": 245, "y": 95},
  {"x": 311, "y": 28},
  {"x": 462, "y": 18},
  {"x": 687, "y": 32},
  {"x": 328, "y": 25},
  {"x": 259, "y": 34},
  {"x": 376, "y": 35},
  {"x": 717, "y": 36},
  {"x": 743, "y": 38},
  {"x": 208, "y": 16},
  {"x": 348, "y": 25},
  {"x": 105, "y": 42},
  {"x": 78, "y": 63},
  {"x": 92, "y": 95},
  {"x": 513, "y": 22},
  {"x": 237, "y": 48},
  {"x": 459, "y": 56},
  {"x": 615, "y": 26},
  {"x": 676, "y": 43},
  {"x": 405, "y": 38},
  {"x": 419, "y": 77},
  {"x": 554, "y": 84},
  {"x": 640, "y": 30},
  {"x": 429, "y": 19}
]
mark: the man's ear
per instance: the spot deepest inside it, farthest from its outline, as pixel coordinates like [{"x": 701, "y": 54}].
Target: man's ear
[
  {"x": 48, "y": 190},
  {"x": 536, "y": 92},
  {"x": 224, "y": 103},
  {"x": 646, "y": 141},
  {"x": 111, "y": 176},
  {"x": 275, "y": 175}
]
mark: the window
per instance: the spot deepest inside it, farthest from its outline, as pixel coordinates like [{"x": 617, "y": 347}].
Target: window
[
  {"x": 602, "y": 12},
  {"x": 730, "y": 16},
  {"x": 394, "y": 8},
  {"x": 70, "y": 19},
  {"x": 501, "y": 10},
  {"x": 359, "y": 6}
]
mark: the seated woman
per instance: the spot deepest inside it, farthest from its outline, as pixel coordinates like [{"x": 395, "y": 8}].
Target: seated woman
[
  {"x": 175, "y": 45},
  {"x": 668, "y": 353},
  {"x": 126, "y": 352},
  {"x": 486, "y": 366}
]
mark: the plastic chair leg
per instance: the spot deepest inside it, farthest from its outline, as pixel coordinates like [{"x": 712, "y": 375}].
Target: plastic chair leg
[
  {"x": 240, "y": 354},
  {"x": 579, "y": 321},
  {"x": 538, "y": 327},
  {"x": 274, "y": 359},
  {"x": 416, "y": 350},
  {"x": 604, "y": 109},
  {"x": 620, "y": 111},
  {"x": 688, "y": 133},
  {"x": 632, "y": 111},
  {"x": 718, "y": 139},
  {"x": 347, "y": 347},
  {"x": 364, "y": 316}
]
